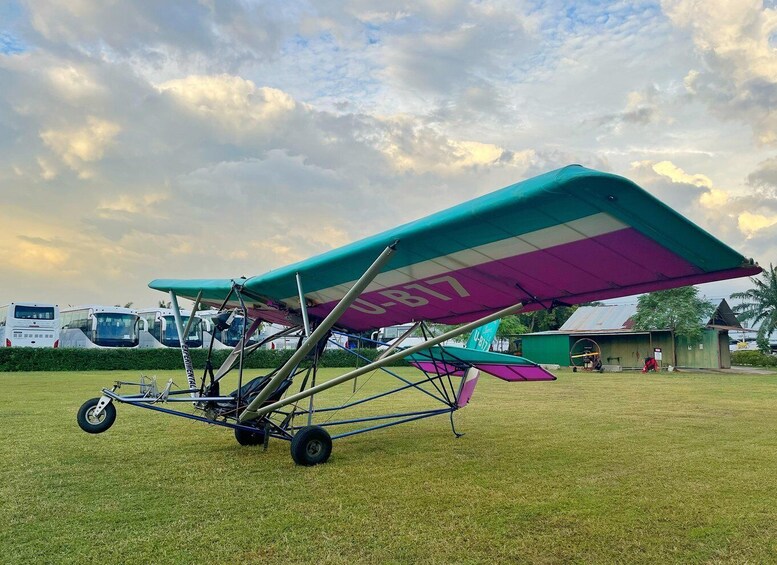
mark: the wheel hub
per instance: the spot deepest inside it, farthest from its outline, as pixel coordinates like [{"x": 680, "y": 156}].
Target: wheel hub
[
  {"x": 90, "y": 416},
  {"x": 314, "y": 447}
]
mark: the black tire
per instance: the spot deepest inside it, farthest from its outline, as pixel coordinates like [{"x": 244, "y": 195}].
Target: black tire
[
  {"x": 311, "y": 446},
  {"x": 244, "y": 437},
  {"x": 92, "y": 425}
]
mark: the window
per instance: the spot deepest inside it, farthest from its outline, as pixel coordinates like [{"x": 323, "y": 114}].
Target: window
[
  {"x": 115, "y": 328},
  {"x": 34, "y": 312}
]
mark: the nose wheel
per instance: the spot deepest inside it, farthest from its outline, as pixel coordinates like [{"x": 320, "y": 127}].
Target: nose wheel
[{"x": 96, "y": 415}]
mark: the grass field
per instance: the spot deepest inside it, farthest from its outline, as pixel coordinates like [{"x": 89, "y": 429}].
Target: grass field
[{"x": 588, "y": 469}]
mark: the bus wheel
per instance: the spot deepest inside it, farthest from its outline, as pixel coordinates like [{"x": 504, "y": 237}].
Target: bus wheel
[
  {"x": 96, "y": 424},
  {"x": 311, "y": 446}
]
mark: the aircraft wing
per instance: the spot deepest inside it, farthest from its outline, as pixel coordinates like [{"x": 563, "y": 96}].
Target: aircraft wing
[{"x": 569, "y": 236}]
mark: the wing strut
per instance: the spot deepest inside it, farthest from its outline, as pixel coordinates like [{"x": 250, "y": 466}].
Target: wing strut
[
  {"x": 303, "y": 305},
  {"x": 399, "y": 340},
  {"x": 320, "y": 332},
  {"x": 255, "y": 411},
  {"x": 187, "y": 359}
]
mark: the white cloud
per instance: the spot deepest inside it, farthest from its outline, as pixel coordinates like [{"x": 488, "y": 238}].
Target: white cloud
[
  {"x": 676, "y": 174},
  {"x": 73, "y": 83},
  {"x": 230, "y": 99},
  {"x": 750, "y": 224},
  {"x": 142, "y": 140},
  {"x": 737, "y": 72},
  {"x": 80, "y": 145}
]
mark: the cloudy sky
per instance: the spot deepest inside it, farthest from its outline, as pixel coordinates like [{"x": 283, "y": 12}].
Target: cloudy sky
[{"x": 221, "y": 138}]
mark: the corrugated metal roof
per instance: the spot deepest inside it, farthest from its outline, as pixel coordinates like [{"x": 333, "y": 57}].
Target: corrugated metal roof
[{"x": 600, "y": 318}]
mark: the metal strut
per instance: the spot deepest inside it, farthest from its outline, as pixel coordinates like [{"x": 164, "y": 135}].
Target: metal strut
[
  {"x": 319, "y": 333},
  {"x": 182, "y": 333},
  {"x": 453, "y": 426},
  {"x": 261, "y": 411}
]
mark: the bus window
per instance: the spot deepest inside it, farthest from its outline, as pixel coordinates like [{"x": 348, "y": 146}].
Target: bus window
[{"x": 34, "y": 312}]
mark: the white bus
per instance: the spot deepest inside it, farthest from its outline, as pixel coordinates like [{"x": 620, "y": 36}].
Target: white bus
[
  {"x": 227, "y": 338},
  {"x": 29, "y": 324},
  {"x": 98, "y": 326},
  {"x": 392, "y": 333},
  {"x": 157, "y": 329}
]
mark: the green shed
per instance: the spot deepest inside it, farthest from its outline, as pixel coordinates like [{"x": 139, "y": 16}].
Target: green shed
[
  {"x": 547, "y": 348},
  {"x": 611, "y": 328}
]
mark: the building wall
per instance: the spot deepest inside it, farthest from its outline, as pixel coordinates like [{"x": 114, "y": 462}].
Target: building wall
[
  {"x": 551, "y": 349},
  {"x": 725, "y": 352},
  {"x": 704, "y": 355},
  {"x": 629, "y": 350}
]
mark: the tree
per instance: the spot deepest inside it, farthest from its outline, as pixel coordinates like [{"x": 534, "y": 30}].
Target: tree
[
  {"x": 511, "y": 326},
  {"x": 546, "y": 320},
  {"x": 680, "y": 310},
  {"x": 759, "y": 305}
]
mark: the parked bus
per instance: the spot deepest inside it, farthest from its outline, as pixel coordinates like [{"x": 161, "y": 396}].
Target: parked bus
[
  {"x": 29, "y": 324},
  {"x": 98, "y": 326},
  {"x": 158, "y": 329},
  {"x": 391, "y": 334},
  {"x": 227, "y": 338},
  {"x": 387, "y": 337}
]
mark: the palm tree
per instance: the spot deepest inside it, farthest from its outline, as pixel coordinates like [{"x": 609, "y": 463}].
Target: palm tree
[{"x": 759, "y": 305}]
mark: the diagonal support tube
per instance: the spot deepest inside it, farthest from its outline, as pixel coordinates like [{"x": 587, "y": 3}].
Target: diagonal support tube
[
  {"x": 187, "y": 358},
  {"x": 232, "y": 358},
  {"x": 379, "y": 363},
  {"x": 320, "y": 331},
  {"x": 397, "y": 342},
  {"x": 303, "y": 306}
]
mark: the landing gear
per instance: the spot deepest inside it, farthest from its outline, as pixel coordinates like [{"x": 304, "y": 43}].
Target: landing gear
[
  {"x": 311, "y": 446},
  {"x": 96, "y": 415}
]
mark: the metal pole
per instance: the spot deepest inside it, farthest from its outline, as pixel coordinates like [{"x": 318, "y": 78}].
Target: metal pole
[
  {"x": 303, "y": 306},
  {"x": 187, "y": 359},
  {"x": 320, "y": 331},
  {"x": 399, "y": 340},
  {"x": 246, "y": 415},
  {"x": 229, "y": 362},
  {"x": 193, "y": 312}
]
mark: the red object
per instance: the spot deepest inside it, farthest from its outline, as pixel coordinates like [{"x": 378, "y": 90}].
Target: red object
[
  {"x": 56, "y": 344},
  {"x": 7, "y": 342},
  {"x": 650, "y": 365}
]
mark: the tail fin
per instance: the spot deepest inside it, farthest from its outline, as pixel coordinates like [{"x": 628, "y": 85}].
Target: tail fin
[{"x": 482, "y": 337}]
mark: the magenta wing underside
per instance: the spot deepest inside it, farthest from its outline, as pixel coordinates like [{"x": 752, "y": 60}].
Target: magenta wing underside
[{"x": 616, "y": 264}]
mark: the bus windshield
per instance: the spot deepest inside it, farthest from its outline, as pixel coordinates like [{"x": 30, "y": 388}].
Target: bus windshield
[
  {"x": 116, "y": 329},
  {"x": 232, "y": 335},
  {"x": 34, "y": 312},
  {"x": 194, "y": 339}
]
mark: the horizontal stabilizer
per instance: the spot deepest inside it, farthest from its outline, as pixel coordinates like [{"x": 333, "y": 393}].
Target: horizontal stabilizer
[{"x": 453, "y": 360}]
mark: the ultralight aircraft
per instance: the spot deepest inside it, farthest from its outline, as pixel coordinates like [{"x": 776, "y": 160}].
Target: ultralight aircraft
[{"x": 566, "y": 237}]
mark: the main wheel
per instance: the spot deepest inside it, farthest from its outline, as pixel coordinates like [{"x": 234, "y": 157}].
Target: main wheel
[
  {"x": 311, "y": 446},
  {"x": 92, "y": 424},
  {"x": 244, "y": 437}
]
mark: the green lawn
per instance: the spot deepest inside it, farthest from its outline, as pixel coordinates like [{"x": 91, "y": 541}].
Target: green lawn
[{"x": 588, "y": 469}]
